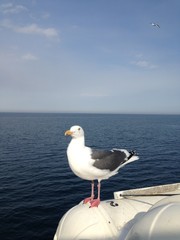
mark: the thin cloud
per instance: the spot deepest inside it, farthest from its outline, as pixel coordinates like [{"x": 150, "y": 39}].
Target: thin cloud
[
  {"x": 31, "y": 29},
  {"x": 35, "y": 29},
  {"x": 91, "y": 94},
  {"x": 46, "y": 15},
  {"x": 29, "y": 57},
  {"x": 141, "y": 62},
  {"x": 145, "y": 64},
  {"x": 10, "y": 8}
]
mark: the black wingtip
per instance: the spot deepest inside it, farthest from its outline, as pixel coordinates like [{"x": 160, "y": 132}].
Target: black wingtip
[{"x": 132, "y": 153}]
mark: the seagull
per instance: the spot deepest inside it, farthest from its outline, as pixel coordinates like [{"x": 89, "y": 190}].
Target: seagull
[
  {"x": 93, "y": 164},
  {"x": 155, "y": 25}
]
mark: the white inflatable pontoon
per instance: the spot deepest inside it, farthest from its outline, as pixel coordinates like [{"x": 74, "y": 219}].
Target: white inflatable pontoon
[{"x": 151, "y": 213}]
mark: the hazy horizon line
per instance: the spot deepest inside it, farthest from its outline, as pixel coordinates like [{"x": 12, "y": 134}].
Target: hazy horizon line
[{"x": 83, "y": 112}]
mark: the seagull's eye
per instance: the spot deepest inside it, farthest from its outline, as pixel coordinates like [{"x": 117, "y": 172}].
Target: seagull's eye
[{"x": 79, "y": 129}]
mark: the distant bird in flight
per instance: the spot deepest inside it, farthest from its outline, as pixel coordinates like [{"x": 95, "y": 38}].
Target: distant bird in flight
[
  {"x": 91, "y": 164},
  {"x": 155, "y": 25}
]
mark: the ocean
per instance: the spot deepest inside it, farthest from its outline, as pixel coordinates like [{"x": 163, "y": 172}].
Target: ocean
[{"x": 37, "y": 186}]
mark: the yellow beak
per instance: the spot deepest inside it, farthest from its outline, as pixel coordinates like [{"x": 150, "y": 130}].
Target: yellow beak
[{"x": 68, "y": 133}]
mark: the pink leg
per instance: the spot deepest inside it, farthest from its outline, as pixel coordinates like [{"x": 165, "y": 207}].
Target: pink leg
[
  {"x": 89, "y": 199},
  {"x": 96, "y": 202}
]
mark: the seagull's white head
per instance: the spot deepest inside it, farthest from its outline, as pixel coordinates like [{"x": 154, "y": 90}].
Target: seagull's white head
[{"x": 75, "y": 132}]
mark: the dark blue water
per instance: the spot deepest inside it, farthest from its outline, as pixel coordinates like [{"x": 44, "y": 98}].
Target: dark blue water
[{"x": 36, "y": 184}]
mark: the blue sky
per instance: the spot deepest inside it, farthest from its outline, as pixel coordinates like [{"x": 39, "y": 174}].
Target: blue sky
[{"x": 90, "y": 56}]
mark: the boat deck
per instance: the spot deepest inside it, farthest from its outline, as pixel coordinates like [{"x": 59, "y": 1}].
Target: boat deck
[{"x": 113, "y": 219}]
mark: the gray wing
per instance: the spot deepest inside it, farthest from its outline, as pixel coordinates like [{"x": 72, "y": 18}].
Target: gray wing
[{"x": 108, "y": 159}]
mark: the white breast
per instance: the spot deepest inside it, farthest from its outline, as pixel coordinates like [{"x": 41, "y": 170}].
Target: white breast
[{"x": 80, "y": 162}]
